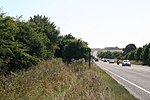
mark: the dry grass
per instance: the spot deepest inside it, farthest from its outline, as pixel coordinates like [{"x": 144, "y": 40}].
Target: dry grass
[
  {"x": 54, "y": 80},
  {"x": 136, "y": 62}
]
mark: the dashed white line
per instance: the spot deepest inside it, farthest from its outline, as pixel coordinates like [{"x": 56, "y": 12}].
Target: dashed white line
[{"x": 128, "y": 81}]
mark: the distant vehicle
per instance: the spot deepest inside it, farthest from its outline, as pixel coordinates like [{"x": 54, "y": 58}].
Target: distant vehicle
[
  {"x": 104, "y": 60},
  {"x": 126, "y": 63},
  {"x": 96, "y": 59},
  {"x": 111, "y": 61},
  {"x": 117, "y": 61}
]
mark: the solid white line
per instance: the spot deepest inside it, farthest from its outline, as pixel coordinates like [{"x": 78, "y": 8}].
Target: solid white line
[{"x": 128, "y": 81}]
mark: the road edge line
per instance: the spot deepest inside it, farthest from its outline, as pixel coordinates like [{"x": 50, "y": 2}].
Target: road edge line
[{"x": 128, "y": 81}]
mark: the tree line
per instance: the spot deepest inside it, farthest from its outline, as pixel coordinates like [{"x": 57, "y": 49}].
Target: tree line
[
  {"x": 109, "y": 55},
  {"x": 25, "y": 43},
  {"x": 139, "y": 54},
  {"x": 130, "y": 52}
]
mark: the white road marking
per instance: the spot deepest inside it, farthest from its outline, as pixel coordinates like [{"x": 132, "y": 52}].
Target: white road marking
[{"x": 128, "y": 81}]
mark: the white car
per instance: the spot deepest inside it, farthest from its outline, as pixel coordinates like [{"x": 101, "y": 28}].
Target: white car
[
  {"x": 111, "y": 61},
  {"x": 126, "y": 63}
]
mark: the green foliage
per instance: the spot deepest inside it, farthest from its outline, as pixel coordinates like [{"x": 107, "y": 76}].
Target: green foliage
[
  {"x": 13, "y": 54},
  {"x": 140, "y": 54},
  {"x": 109, "y": 55},
  {"x": 130, "y": 52},
  {"x": 128, "y": 48},
  {"x": 149, "y": 57},
  {"x": 23, "y": 44},
  {"x": 131, "y": 55},
  {"x": 72, "y": 48},
  {"x": 31, "y": 40},
  {"x": 146, "y": 54},
  {"x": 59, "y": 51},
  {"x": 137, "y": 54},
  {"x": 117, "y": 54},
  {"x": 44, "y": 26},
  {"x": 76, "y": 49}
]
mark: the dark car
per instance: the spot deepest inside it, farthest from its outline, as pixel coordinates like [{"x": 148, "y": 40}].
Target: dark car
[{"x": 104, "y": 60}]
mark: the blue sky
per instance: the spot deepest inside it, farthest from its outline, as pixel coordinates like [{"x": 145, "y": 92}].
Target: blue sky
[{"x": 101, "y": 23}]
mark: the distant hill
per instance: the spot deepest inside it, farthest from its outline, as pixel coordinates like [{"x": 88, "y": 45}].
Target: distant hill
[{"x": 111, "y": 49}]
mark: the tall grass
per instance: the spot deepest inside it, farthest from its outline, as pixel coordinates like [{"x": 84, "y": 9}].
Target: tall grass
[{"x": 54, "y": 80}]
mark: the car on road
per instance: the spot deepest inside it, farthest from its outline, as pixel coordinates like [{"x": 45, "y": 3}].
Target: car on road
[
  {"x": 96, "y": 59},
  {"x": 111, "y": 61},
  {"x": 105, "y": 60},
  {"x": 126, "y": 63}
]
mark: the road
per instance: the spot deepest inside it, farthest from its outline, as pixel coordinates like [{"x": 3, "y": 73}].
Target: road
[{"x": 136, "y": 79}]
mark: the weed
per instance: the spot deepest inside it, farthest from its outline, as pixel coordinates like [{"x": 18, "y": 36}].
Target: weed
[{"x": 55, "y": 80}]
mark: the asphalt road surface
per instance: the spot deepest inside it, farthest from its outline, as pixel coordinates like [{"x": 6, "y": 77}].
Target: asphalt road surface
[{"x": 136, "y": 79}]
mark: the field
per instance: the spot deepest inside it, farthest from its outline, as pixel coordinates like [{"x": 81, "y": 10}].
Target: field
[{"x": 55, "y": 80}]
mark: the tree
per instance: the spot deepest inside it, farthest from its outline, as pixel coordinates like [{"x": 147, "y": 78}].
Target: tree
[
  {"x": 146, "y": 54},
  {"x": 69, "y": 36},
  {"x": 23, "y": 44},
  {"x": 149, "y": 58},
  {"x": 138, "y": 53},
  {"x": 109, "y": 55},
  {"x": 142, "y": 54},
  {"x": 76, "y": 49},
  {"x": 131, "y": 55},
  {"x": 100, "y": 54},
  {"x": 2, "y": 13},
  {"x": 43, "y": 26},
  {"x": 128, "y": 48},
  {"x": 63, "y": 42},
  {"x": 116, "y": 55},
  {"x": 13, "y": 54}
]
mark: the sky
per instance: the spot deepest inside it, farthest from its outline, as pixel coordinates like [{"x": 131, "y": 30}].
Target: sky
[{"x": 101, "y": 23}]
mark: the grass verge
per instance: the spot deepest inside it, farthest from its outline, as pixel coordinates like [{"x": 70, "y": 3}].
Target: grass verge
[{"x": 54, "y": 80}]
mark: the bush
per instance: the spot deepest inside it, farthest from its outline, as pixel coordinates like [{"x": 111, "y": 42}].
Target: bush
[{"x": 55, "y": 80}]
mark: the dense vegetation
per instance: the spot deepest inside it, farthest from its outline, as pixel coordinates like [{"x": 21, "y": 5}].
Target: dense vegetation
[
  {"x": 140, "y": 54},
  {"x": 25, "y": 43},
  {"x": 109, "y": 55},
  {"x": 130, "y": 52},
  {"x": 36, "y": 43},
  {"x": 55, "y": 80}
]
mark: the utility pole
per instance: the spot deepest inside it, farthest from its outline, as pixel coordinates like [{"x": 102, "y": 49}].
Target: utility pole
[{"x": 89, "y": 58}]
